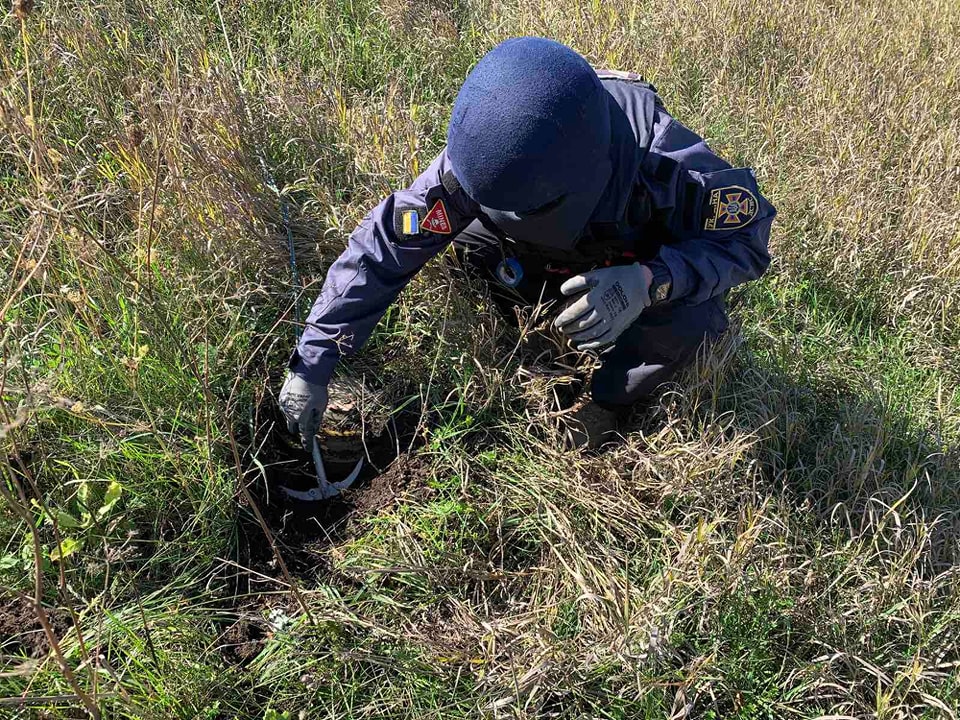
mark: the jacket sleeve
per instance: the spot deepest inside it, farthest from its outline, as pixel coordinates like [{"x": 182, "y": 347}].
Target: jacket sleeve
[
  {"x": 717, "y": 221},
  {"x": 392, "y": 243}
]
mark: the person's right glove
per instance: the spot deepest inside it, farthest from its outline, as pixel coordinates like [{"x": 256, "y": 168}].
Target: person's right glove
[
  {"x": 303, "y": 405},
  {"x": 612, "y": 299}
]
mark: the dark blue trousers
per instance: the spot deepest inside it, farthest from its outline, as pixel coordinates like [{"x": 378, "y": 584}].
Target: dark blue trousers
[{"x": 659, "y": 344}]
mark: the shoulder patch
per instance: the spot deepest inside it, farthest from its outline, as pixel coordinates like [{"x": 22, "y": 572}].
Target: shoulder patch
[
  {"x": 411, "y": 221},
  {"x": 437, "y": 221},
  {"x": 408, "y": 220},
  {"x": 730, "y": 208},
  {"x": 450, "y": 183}
]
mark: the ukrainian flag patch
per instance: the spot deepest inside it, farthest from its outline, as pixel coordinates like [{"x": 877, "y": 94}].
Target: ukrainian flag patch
[{"x": 411, "y": 222}]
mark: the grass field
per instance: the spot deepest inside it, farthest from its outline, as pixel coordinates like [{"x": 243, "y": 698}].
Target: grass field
[{"x": 779, "y": 538}]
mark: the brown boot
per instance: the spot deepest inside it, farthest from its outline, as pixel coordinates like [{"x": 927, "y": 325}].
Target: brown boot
[{"x": 589, "y": 427}]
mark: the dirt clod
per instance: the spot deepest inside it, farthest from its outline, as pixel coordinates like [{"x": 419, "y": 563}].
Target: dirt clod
[
  {"x": 406, "y": 473},
  {"x": 20, "y": 629},
  {"x": 242, "y": 641}
]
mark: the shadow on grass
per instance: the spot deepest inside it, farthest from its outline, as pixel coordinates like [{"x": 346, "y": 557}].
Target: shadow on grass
[
  {"x": 847, "y": 458},
  {"x": 801, "y": 386}
]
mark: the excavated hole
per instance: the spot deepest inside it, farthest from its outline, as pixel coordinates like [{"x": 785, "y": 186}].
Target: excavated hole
[{"x": 301, "y": 529}]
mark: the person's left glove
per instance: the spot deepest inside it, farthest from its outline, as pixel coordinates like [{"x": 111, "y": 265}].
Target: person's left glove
[
  {"x": 612, "y": 299},
  {"x": 303, "y": 404}
]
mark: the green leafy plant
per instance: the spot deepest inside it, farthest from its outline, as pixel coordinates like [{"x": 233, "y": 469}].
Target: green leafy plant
[{"x": 88, "y": 512}]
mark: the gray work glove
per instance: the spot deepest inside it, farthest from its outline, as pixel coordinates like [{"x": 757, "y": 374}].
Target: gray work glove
[
  {"x": 303, "y": 404},
  {"x": 612, "y": 299}
]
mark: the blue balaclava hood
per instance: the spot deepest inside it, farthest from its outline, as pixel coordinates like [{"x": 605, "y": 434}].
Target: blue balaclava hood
[{"x": 529, "y": 139}]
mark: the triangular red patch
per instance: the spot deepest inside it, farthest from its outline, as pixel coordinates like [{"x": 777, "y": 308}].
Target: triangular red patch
[{"x": 436, "y": 220}]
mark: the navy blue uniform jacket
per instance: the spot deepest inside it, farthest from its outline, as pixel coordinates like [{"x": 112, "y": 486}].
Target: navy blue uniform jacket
[{"x": 714, "y": 221}]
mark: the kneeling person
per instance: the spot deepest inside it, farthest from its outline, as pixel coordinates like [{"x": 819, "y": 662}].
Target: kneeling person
[{"x": 558, "y": 181}]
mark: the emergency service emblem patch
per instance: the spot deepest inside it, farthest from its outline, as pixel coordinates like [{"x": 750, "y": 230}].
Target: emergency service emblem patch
[
  {"x": 731, "y": 207},
  {"x": 437, "y": 220}
]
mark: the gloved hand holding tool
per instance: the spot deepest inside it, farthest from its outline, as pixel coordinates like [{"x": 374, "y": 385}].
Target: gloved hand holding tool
[
  {"x": 303, "y": 404},
  {"x": 612, "y": 300}
]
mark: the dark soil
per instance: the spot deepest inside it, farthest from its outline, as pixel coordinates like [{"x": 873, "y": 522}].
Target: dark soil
[
  {"x": 303, "y": 530},
  {"x": 288, "y": 465},
  {"x": 407, "y": 472},
  {"x": 20, "y": 629},
  {"x": 241, "y": 642}
]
